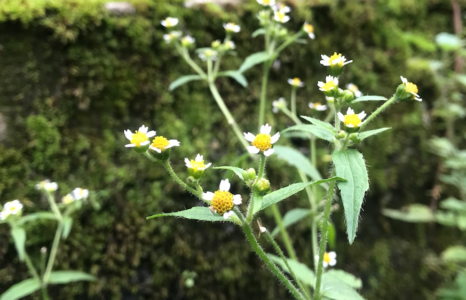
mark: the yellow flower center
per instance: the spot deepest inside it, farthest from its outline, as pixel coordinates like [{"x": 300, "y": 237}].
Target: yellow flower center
[
  {"x": 160, "y": 142},
  {"x": 327, "y": 257},
  {"x": 335, "y": 59},
  {"x": 169, "y": 22},
  {"x": 317, "y": 104},
  {"x": 262, "y": 142},
  {"x": 296, "y": 81},
  {"x": 13, "y": 208},
  {"x": 68, "y": 199},
  {"x": 352, "y": 120},
  {"x": 222, "y": 202},
  {"x": 411, "y": 88},
  {"x": 329, "y": 85},
  {"x": 266, "y": 2},
  {"x": 196, "y": 165},
  {"x": 280, "y": 16},
  {"x": 354, "y": 88},
  {"x": 138, "y": 138},
  {"x": 309, "y": 28}
]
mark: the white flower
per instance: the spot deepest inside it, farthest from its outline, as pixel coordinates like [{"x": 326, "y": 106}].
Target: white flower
[
  {"x": 197, "y": 164},
  {"x": 171, "y": 36},
  {"x": 278, "y": 104},
  {"x": 330, "y": 259},
  {"x": 187, "y": 40},
  {"x": 266, "y": 2},
  {"x": 334, "y": 60},
  {"x": 229, "y": 45},
  {"x": 212, "y": 54},
  {"x": 79, "y": 193},
  {"x": 223, "y": 201},
  {"x": 281, "y": 8},
  {"x": 231, "y": 27},
  {"x": 67, "y": 199},
  {"x": 411, "y": 88},
  {"x": 351, "y": 119},
  {"x": 281, "y": 17},
  {"x": 160, "y": 144},
  {"x": 46, "y": 185},
  {"x": 354, "y": 89},
  {"x": 330, "y": 83},
  {"x": 295, "y": 82},
  {"x": 318, "y": 106},
  {"x": 140, "y": 137},
  {"x": 2, "y": 215},
  {"x": 263, "y": 141},
  {"x": 169, "y": 22},
  {"x": 11, "y": 208},
  {"x": 309, "y": 29}
]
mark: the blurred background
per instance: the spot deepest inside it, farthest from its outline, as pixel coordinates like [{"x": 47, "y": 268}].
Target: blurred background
[{"x": 75, "y": 73}]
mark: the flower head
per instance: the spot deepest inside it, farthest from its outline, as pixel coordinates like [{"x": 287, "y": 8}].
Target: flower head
[
  {"x": 281, "y": 8},
  {"x": 67, "y": 199},
  {"x": 208, "y": 54},
  {"x": 278, "y": 104},
  {"x": 351, "y": 119},
  {"x": 231, "y": 27},
  {"x": 334, "y": 60},
  {"x": 80, "y": 194},
  {"x": 309, "y": 29},
  {"x": 263, "y": 141},
  {"x": 318, "y": 106},
  {"x": 222, "y": 201},
  {"x": 229, "y": 45},
  {"x": 160, "y": 144},
  {"x": 11, "y": 208},
  {"x": 330, "y": 259},
  {"x": 140, "y": 138},
  {"x": 197, "y": 166},
  {"x": 187, "y": 41},
  {"x": 281, "y": 17},
  {"x": 169, "y": 22},
  {"x": 171, "y": 36},
  {"x": 354, "y": 89},
  {"x": 47, "y": 186},
  {"x": 330, "y": 84},
  {"x": 266, "y": 2},
  {"x": 410, "y": 88},
  {"x": 296, "y": 82}
]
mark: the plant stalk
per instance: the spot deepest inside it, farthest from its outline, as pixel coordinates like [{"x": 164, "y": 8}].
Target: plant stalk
[
  {"x": 284, "y": 233},
  {"x": 378, "y": 111},
  {"x": 293, "y": 100},
  {"x": 265, "y": 78},
  {"x": 53, "y": 252}
]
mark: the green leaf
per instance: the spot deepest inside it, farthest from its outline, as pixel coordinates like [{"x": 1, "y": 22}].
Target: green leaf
[
  {"x": 253, "y": 60},
  {"x": 347, "y": 278},
  {"x": 21, "y": 289},
  {"x": 448, "y": 41},
  {"x": 60, "y": 277},
  {"x": 366, "y": 134},
  {"x": 414, "y": 213},
  {"x": 236, "y": 75},
  {"x": 258, "y": 32},
  {"x": 331, "y": 235},
  {"x": 456, "y": 254},
  {"x": 453, "y": 204},
  {"x": 302, "y": 272},
  {"x": 290, "y": 190},
  {"x": 369, "y": 98},
  {"x": 336, "y": 289},
  {"x": 445, "y": 218},
  {"x": 19, "y": 237},
  {"x": 461, "y": 78},
  {"x": 350, "y": 165},
  {"x": 238, "y": 171},
  {"x": 320, "y": 123},
  {"x": 195, "y": 213},
  {"x": 182, "y": 80},
  {"x": 292, "y": 217},
  {"x": 36, "y": 216},
  {"x": 67, "y": 223},
  {"x": 257, "y": 201},
  {"x": 318, "y": 131},
  {"x": 298, "y": 160}
]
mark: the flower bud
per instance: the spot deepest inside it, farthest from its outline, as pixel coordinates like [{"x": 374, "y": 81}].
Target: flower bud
[
  {"x": 341, "y": 134},
  {"x": 355, "y": 138},
  {"x": 264, "y": 17},
  {"x": 347, "y": 96},
  {"x": 262, "y": 186},
  {"x": 249, "y": 174},
  {"x": 402, "y": 94},
  {"x": 216, "y": 44}
]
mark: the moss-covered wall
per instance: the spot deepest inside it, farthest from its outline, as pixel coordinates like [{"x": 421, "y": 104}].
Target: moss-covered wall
[{"x": 73, "y": 77}]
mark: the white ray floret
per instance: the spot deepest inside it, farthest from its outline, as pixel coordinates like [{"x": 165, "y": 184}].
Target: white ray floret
[
  {"x": 140, "y": 137},
  {"x": 169, "y": 22},
  {"x": 232, "y": 27}
]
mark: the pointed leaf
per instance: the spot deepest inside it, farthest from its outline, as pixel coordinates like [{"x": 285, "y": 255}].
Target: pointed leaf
[
  {"x": 298, "y": 160},
  {"x": 456, "y": 254},
  {"x": 292, "y": 217},
  {"x": 302, "y": 272},
  {"x": 318, "y": 131},
  {"x": 336, "y": 289},
  {"x": 19, "y": 237},
  {"x": 59, "y": 277},
  {"x": 182, "y": 80},
  {"x": 236, "y": 75},
  {"x": 366, "y": 134},
  {"x": 453, "y": 204},
  {"x": 350, "y": 165},
  {"x": 67, "y": 223},
  {"x": 320, "y": 123},
  {"x": 258, "y": 32},
  {"x": 347, "y": 278},
  {"x": 36, "y": 216},
  {"x": 238, "y": 171},
  {"x": 195, "y": 213},
  {"x": 257, "y": 202},
  {"x": 253, "y": 60},
  {"x": 414, "y": 213},
  {"x": 21, "y": 289},
  {"x": 369, "y": 98}
]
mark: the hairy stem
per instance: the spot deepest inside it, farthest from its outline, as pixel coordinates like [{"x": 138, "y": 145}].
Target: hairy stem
[
  {"x": 378, "y": 111},
  {"x": 30, "y": 266},
  {"x": 263, "y": 159},
  {"x": 283, "y": 232},
  {"x": 53, "y": 252},
  {"x": 172, "y": 173},
  {"x": 293, "y": 100},
  {"x": 265, "y": 78}
]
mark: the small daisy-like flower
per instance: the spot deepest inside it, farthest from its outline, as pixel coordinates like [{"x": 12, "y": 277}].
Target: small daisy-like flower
[
  {"x": 11, "y": 208},
  {"x": 67, "y": 199},
  {"x": 169, "y": 22},
  {"x": 351, "y": 119},
  {"x": 222, "y": 201},
  {"x": 229, "y": 45},
  {"x": 208, "y": 54},
  {"x": 46, "y": 185},
  {"x": 278, "y": 104},
  {"x": 296, "y": 82},
  {"x": 79, "y": 194},
  {"x": 334, "y": 60},
  {"x": 354, "y": 89},
  {"x": 140, "y": 138},
  {"x": 330, "y": 84},
  {"x": 197, "y": 164},
  {"x": 309, "y": 29},
  {"x": 263, "y": 141},
  {"x": 330, "y": 259},
  {"x": 187, "y": 40},
  {"x": 318, "y": 106},
  {"x": 232, "y": 27},
  {"x": 171, "y": 36},
  {"x": 160, "y": 144},
  {"x": 281, "y": 8},
  {"x": 411, "y": 88},
  {"x": 266, "y": 2},
  {"x": 281, "y": 17}
]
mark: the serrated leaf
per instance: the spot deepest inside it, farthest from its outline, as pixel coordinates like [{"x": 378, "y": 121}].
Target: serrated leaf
[
  {"x": 298, "y": 160},
  {"x": 336, "y": 289},
  {"x": 345, "y": 277},
  {"x": 237, "y": 171},
  {"x": 36, "y": 216},
  {"x": 257, "y": 202},
  {"x": 19, "y": 237},
  {"x": 61, "y": 277},
  {"x": 302, "y": 272},
  {"x": 320, "y": 123},
  {"x": 318, "y": 131},
  {"x": 292, "y": 217},
  {"x": 258, "y": 32},
  {"x": 350, "y": 165},
  {"x": 21, "y": 289},
  {"x": 236, "y": 75},
  {"x": 253, "y": 60},
  {"x": 414, "y": 213},
  {"x": 195, "y": 213},
  {"x": 182, "y": 80},
  {"x": 455, "y": 254},
  {"x": 290, "y": 190},
  {"x": 365, "y": 134},
  {"x": 369, "y": 98},
  {"x": 67, "y": 223}
]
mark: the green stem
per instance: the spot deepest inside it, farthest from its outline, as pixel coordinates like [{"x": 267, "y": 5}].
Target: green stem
[
  {"x": 175, "y": 177},
  {"x": 323, "y": 236},
  {"x": 284, "y": 233},
  {"x": 45, "y": 294},
  {"x": 337, "y": 120},
  {"x": 263, "y": 159},
  {"x": 330, "y": 115},
  {"x": 293, "y": 100},
  {"x": 285, "y": 44},
  {"x": 31, "y": 267},
  {"x": 378, "y": 111},
  {"x": 53, "y": 252},
  {"x": 265, "y": 78},
  {"x": 290, "y": 115},
  {"x": 185, "y": 54},
  {"x": 258, "y": 249},
  {"x": 53, "y": 205}
]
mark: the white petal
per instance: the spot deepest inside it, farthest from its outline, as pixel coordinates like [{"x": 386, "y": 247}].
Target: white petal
[
  {"x": 150, "y": 134},
  {"x": 320, "y": 84},
  {"x": 188, "y": 163},
  {"x": 253, "y": 149},
  {"x": 228, "y": 214},
  {"x": 249, "y": 136},
  {"x": 322, "y": 107},
  {"x": 332, "y": 262},
  {"x": 362, "y": 115},
  {"x": 224, "y": 185},
  {"x": 237, "y": 200},
  {"x": 325, "y": 57},
  {"x": 275, "y": 138},
  {"x": 325, "y": 264},
  {"x": 290, "y": 81},
  {"x": 208, "y": 165},
  {"x": 348, "y": 62},
  {"x": 350, "y": 111},
  {"x": 262, "y": 229},
  {"x": 145, "y": 143},
  {"x": 329, "y": 78},
  {"x": 128, "y": 134},
  {"x": 335, "y": 80},
  {"x": 199, "y": 158},
  {"x": 358, "y": 94},
  {"x": 269, "y": 152},
  {"x": 350, "y": 125},
  {"x": 312, "y": 36},
  {"x": 311, "y": 105},
  {"x": 208, "y": 196},
  {"x": 172, "y": 143},
  {"x": 143, "y": 129},
  {"x": 156, "y": 149},
  {"x": 332, "y": 255},
  {"x": 325, "y": 63},
  {"x": 418, "y": 99},
  {"x": 341, "y": 117},
  {"x": 265, "y": 129},
  {"x": 404, "y": 80},
  {"x": 130, "y": 145}
]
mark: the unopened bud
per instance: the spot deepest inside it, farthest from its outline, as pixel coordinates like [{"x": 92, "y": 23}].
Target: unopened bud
[
  {"x": 43, "y": 250},
  {"x": 249, "y": 174},
  {"x": 262, "y": 186},
  {"x": 347, "y": 96},
  {"x": 341, "y": 134},
  {"x": 355, "y": 138}
]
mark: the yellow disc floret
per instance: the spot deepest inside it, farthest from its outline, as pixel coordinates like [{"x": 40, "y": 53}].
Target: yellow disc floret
[
  {"x": 222, "y": 202},
  {"x": 309, "y": 28},
  {"x": 138, "y": 138},
  {"x": 335, "y": 59},
  {"x": 327, "y": 258},
  {"x": 160, "y": 142},
  {"x": 296, "y": 81},
  {"x": 266, "y": 2},
  {"x": 411, "y": 88},
  {"x": 280, "y": 16},
  {"x": 196, "y": 165},
  {"x": 352, "y": 120},
  {"x": 262, "y": 142},
  {"x": 329, "y": 86}
]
